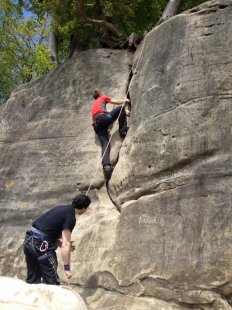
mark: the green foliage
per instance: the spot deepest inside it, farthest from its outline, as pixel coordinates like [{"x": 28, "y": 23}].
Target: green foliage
[
  {"x": 135, "y": 16},
  {"x": 127, "y": 15},
  {"x": 23, "y": 48},
  {"x": 66, "y": 24}
]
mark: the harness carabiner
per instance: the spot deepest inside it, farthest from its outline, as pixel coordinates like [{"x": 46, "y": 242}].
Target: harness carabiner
[{"x": 44, "y": 246}]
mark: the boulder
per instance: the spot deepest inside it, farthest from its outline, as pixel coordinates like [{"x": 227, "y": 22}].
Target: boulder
[{"x": 16, "y": 294}]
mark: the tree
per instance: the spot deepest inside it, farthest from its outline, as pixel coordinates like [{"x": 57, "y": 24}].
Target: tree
[
  {"x": 53, "y": 47},
  {"x": 74, "y": 25},
  {"x": 174, "y": 5},
  {"x": 23, "y": 49},
  {"x": 82, "y": 24},
  {"x": 170, "y": 10},
  {"x": 111, "y": 36}
]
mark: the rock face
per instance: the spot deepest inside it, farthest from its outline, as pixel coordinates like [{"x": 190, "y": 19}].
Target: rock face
[
  {"x": 48, "y": 149},
  {"x": 170, "y": 246},
  {"x": 16, "y": 294}
]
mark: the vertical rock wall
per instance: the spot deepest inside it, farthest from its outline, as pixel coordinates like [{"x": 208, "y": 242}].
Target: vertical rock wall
[
  {"x": 174, "y": 173},
  {"x": 48, "y": 148}
]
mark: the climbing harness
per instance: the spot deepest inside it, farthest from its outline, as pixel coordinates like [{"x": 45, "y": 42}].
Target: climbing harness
[
  {"x": 33, "y": 232},
  {"x": 46, "y": 250}
]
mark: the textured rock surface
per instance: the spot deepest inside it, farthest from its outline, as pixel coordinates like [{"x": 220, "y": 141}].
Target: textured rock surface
[
  {"x": 170, "y": 247},
  {"x": 16, "y": 294},
  {"x": 48, "y": 149},
  {"x": 175, "y": 166}
]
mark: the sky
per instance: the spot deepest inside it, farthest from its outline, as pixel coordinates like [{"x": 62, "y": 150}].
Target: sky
[{"x": 26, "y": 13}]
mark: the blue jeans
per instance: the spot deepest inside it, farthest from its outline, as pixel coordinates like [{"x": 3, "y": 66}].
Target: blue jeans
[
  {"x": 41, "y": 260},
  {"x": 101, "y": 125}
]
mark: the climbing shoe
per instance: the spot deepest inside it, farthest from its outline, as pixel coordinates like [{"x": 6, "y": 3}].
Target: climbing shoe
[
  {"x": 107, "y": 168},
  {"x": 107, "y": 172},
  {"x": 123, "y": 133}
]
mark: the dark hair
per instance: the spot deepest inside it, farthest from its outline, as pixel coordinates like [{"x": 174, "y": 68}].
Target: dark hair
[
  {"x": 81, "y": 201},
  {"x": 96, "y": 94}
]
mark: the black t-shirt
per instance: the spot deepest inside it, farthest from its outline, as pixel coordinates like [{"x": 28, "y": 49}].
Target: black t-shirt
[{"x": 55, "y": 220}]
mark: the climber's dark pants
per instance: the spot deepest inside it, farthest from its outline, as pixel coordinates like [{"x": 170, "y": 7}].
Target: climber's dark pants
[
  {"x": 102, "y": 121},
  {"x": 41, "y": 265}
]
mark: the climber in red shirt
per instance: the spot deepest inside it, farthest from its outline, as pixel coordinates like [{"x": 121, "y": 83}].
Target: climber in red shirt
[{"x": 102, "y": 119}]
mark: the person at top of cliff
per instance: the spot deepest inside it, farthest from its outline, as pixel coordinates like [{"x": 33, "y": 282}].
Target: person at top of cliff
[
  {"x": 51, "y": 230},
  {"x": 102, "y": 119}
]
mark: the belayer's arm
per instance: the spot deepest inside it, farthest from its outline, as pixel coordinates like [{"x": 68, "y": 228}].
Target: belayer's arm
[{"x": 65, "y": 251}]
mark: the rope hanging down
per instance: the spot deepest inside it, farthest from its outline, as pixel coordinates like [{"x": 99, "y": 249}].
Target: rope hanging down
[{"x": 136, "y": 65}]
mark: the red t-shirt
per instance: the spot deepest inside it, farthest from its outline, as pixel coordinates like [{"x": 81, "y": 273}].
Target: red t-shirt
[{"x": 99, "y": 105}]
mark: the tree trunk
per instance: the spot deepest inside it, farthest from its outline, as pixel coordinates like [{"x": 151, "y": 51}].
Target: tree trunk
[
  {"x": 170, "y": 10},
  {"x": 53, "y": 48},
  {"x": 111, "y": 36},
  {"x": 100, "y": 9},
  {"x": 73, "y": 44}
]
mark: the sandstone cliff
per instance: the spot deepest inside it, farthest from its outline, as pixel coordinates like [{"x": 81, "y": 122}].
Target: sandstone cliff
[{"x": 160, "y": 237}]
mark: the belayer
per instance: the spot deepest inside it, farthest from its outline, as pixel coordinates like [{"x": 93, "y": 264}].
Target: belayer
[
  {"x": 51, "y": 230},
  {"x": 102, "y": 119}
]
